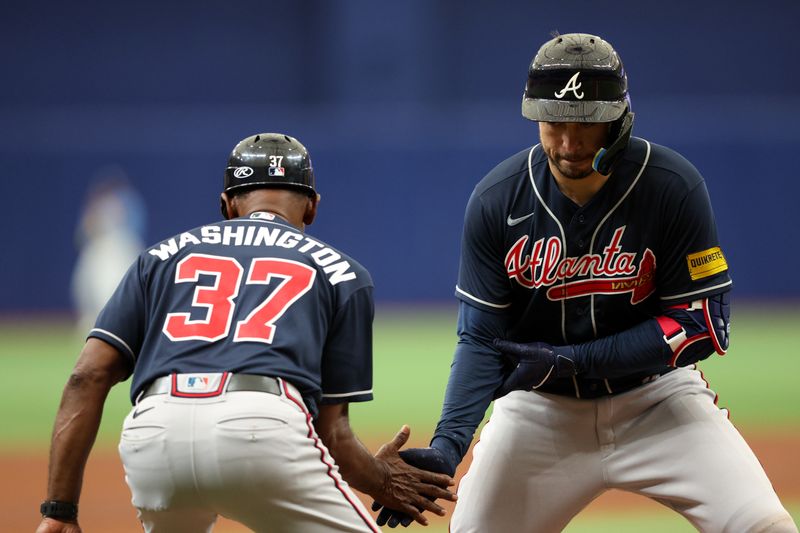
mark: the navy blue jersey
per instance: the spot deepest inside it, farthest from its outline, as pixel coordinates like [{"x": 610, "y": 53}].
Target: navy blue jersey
[
  {"x": 566, "y": 274},
  {"x": 251, "y": 295}
]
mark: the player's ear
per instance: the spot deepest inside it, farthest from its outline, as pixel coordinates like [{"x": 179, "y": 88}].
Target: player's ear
[
  {"x": 311, "y": 209},
  {"x": 226, "y": 206}
]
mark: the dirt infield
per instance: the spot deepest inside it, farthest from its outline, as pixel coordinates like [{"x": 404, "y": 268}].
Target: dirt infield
[{"x": 105, "y": 504}]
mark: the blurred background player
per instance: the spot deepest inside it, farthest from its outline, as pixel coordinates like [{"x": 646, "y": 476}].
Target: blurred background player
[{"x": 109, "y": 236}]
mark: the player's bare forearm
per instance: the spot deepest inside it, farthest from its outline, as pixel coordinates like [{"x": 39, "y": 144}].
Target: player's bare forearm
[
  {"x": 99, "y": 367},
  {"x": 385, "y": 477}
]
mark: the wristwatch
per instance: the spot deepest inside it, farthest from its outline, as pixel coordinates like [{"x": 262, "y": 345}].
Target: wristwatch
[{"x": 59, "y": 510}]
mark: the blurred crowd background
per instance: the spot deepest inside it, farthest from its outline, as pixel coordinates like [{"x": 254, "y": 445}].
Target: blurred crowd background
[{"x": 403, "y": 105}]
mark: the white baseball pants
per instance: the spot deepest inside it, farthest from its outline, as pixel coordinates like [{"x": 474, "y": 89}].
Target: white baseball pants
[
  {"x": 542, "y": 458},
  {"x": 252, "y": 457}
]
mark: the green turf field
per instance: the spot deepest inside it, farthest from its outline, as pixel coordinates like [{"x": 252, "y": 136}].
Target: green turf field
[{"x": 413, "y": 349}]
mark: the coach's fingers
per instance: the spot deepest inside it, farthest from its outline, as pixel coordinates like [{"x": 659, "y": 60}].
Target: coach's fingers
[
  {"x": 398, "y": 441},
  {"x": 412, "y": 512},
  {"x": 426, "y": 504},
  {"x": 433, "y": 479},
  {"x": 436, "y": 493}
]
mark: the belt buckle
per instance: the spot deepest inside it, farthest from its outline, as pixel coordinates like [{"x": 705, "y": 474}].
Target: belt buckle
[{"x": 199, "y": 384}]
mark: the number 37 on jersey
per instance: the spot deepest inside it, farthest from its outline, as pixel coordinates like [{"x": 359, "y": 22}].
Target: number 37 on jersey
[{"x": 218, "y": 297}]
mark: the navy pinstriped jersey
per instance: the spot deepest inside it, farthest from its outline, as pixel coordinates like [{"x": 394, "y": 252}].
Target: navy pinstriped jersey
[
  {"x": 566, "y": 274},
  {"x": 251, "y": 295}
]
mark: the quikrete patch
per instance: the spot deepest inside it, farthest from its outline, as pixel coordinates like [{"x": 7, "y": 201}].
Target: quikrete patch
[{"x": 706, "y": 263}]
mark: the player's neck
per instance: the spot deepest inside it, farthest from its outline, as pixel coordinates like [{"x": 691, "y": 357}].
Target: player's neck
[
  {"x": 287, "y": 215},
  {"x": 581, "y": 190}
]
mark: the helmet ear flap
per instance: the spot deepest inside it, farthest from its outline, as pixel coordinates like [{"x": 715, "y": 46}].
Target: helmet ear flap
[{"x": 620, "y": 134}]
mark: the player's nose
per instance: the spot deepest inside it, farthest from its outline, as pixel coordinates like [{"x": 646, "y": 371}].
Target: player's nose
[{"x": 572, "y": 138}]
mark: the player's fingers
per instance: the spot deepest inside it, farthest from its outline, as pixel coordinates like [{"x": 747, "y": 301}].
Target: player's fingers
[
  {"x": 393, "y": 521},
  {"x": 513, "y": 349},
  {"x": 406, "y": 521},
  {"x": 376, "y": 506},
  {"x": 383, "y": 516}
]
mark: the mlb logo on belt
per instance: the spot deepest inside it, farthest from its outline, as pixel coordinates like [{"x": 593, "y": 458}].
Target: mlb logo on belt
[{"x": 200, "y": 385}]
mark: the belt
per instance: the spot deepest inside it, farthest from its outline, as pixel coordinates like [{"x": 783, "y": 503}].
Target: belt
[
  {"x": 589, "y": 388},
  {"x": 236, "y": 382}
]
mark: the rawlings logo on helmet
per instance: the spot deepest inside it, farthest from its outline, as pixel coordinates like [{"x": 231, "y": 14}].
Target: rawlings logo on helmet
[{"x": 243, "y": 172}]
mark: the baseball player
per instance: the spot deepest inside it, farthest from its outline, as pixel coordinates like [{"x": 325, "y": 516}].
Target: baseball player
[
  {"x": 246, "y": 339},
  {"x": 591, "y": 282}
]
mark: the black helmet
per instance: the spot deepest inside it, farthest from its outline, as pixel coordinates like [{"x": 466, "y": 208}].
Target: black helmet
[
  {"x": 577, "y": 77},
  {"x": 270, "y": 160}
]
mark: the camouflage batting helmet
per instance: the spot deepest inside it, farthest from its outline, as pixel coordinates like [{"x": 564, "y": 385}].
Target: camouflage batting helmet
[{"x": 578, "y": 77}]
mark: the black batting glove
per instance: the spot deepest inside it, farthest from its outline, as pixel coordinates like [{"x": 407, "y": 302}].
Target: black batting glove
[
  {"x": 534, "y": 364},
  {"x": 431, "y": 459}
]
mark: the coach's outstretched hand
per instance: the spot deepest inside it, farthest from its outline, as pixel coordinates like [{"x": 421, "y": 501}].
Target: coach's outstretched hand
[
  {"x": 411, "y": 487},
  {"x": 51, "y": 525},
  {"x": 430, "y": 459},
  {"x": 536, "y": 363}
]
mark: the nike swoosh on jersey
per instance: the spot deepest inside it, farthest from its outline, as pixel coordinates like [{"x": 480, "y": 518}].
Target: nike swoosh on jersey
[
  {"x": 137, "y": 413},
  {"x": 514, "y": 221}
]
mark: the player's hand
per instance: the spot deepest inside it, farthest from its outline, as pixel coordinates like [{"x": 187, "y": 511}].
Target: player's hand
[
  {"x": 51, "y": 525},
  {"x": 535, "y": 363},
  {"x": 431, "y": 459},
  {"x": 410, "y": 490}
]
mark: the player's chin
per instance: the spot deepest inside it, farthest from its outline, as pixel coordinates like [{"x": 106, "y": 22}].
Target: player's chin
[{"x": 575, "y": 170}]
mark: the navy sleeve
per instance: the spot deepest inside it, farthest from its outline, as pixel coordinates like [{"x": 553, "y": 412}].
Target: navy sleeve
[
  {"x": 693, "y": 265},
  {"x": 646, "y": 347},
  {"x": 121, "y": 323},
  {"x": 482, "y": 279},
  {"x": 634, "y": 350},
  {"x": 476, "y": 372},
  {"x": 347, "y": 357}
]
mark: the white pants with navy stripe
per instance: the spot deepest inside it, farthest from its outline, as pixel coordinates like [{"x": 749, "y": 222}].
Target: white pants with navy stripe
[
  {"x": 252, "y": 457},
  {"x": 542, "y": 458}
]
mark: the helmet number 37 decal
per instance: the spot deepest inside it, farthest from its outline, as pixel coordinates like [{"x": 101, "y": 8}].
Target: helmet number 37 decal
[{"x": 275, "y": 165}]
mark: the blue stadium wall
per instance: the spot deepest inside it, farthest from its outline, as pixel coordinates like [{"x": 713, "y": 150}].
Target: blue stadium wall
[{"x": 404, "y": 106}]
